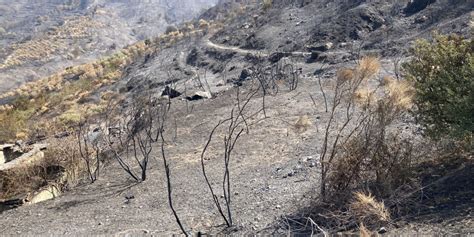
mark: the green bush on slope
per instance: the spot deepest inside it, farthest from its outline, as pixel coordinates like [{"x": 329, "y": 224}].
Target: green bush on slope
[{"x": 442, "y": 72}]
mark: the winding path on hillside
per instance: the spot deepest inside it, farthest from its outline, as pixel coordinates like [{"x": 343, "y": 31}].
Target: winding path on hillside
[
  {"x": 261, "y": 53},
  {"x": 238, "y": 50}
]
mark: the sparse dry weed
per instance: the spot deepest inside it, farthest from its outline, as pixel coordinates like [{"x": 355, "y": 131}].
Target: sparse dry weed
[
  {"x": 368, "y": 67},
  {"x": 60, "y": 166},
  {"x": 364, "y": 232},
  {"x": 302, "y": 124},
  {"x": 366, "y": 209}
]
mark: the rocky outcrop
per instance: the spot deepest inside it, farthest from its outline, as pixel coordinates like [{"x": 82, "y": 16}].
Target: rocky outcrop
[
  {"x": 32, "y": 155},
  {"x": 415, "y": 6}
]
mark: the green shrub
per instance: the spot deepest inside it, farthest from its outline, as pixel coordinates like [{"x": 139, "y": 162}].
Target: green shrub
[{"x": 442, "y": 72}]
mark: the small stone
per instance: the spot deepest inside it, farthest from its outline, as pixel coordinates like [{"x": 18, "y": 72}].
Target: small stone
[
  {"x": 382, "y": 230},
  {"x": 246, "y": 73},
  {"x": 277, "y": 206},
  {"x": 312, "y": 165},
  {"x": 220, "y": 83},
  {"x": 100, "y": 223},
  {"x": 308, "y": 158},
  {"x": 172, "y": 93},
  {"x": 421, "y": 19},
  {"x": 198, "y": 95}
]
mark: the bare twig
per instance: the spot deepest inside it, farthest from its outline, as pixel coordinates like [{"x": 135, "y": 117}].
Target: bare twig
[{"x": 237, "y": 124}]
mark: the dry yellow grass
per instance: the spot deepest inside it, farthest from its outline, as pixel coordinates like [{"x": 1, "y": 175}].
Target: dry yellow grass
[
  {"x": 400, "y": 93},
  {"x": 203, "y": 24},
  {"x": 302, "y": 124},
  {"x": 57, "y": 96},
  {"x": 366, "y": 209},
  {"x": 363, "y": 231},
  {"x": 41, "y": 49},
  {"x": 368, "y": 67},
  {"x": 395, "y": 95},
  {"x": 61, "y": 165},
  {"x": 345, "y": 74},
  {"x": 365, "y": 97}
]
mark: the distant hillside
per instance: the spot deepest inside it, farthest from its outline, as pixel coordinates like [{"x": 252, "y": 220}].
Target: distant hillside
[{"x": 38, "y": 38}]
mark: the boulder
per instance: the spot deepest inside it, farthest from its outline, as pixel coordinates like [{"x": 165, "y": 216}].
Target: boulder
[
  {"x": 45, "y": 194},
  {"x": 320, "y": 47},
  {"x": 313, "y": 57},
  {"x": 245, "y": 74},
  {"x": 172, "y": 93},
  {"x": 421, "y": 19},
  {"x": 199, "y": 95}
]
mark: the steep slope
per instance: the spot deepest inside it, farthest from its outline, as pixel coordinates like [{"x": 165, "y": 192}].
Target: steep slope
[
  {"x": 274, "y": 169},
  {"x": 376, "y": 25}
]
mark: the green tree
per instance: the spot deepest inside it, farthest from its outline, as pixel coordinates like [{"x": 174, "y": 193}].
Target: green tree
[{"x": 442, "y": 73}]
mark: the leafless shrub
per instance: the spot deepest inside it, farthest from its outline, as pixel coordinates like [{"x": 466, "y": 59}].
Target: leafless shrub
[
  {"x": 137, "y": 132},
  {"x": 373, "y": 151},
  {"x": 348, "y": 82},
  {"x": 139, "y": 128},
  {"x": 267, "y": 84},
  {"x": 361, "y": 150},
  {"x": 269, "y": 78},
  {"x": 236, "y": 124},
  {"x": 290, "y": 75},
  {"x": 322, "y": 89},
  {"x": 266, "y": 78},
  {"x": 168, "y": 175},
  {"x": 284, "y": 72},
  {"x": 89, "y": 147}
]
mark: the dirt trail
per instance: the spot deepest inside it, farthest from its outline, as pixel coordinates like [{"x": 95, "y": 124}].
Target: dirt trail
[{"x": 238, "y": 50}]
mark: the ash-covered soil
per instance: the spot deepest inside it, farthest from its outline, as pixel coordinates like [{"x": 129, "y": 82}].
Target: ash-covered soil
[
  {"x": 274, "y": 168},
  {"x": 273, "y": 171}
]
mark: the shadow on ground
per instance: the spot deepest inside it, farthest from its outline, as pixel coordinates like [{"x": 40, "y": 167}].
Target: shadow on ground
[{"x": 445, "y": 200}]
